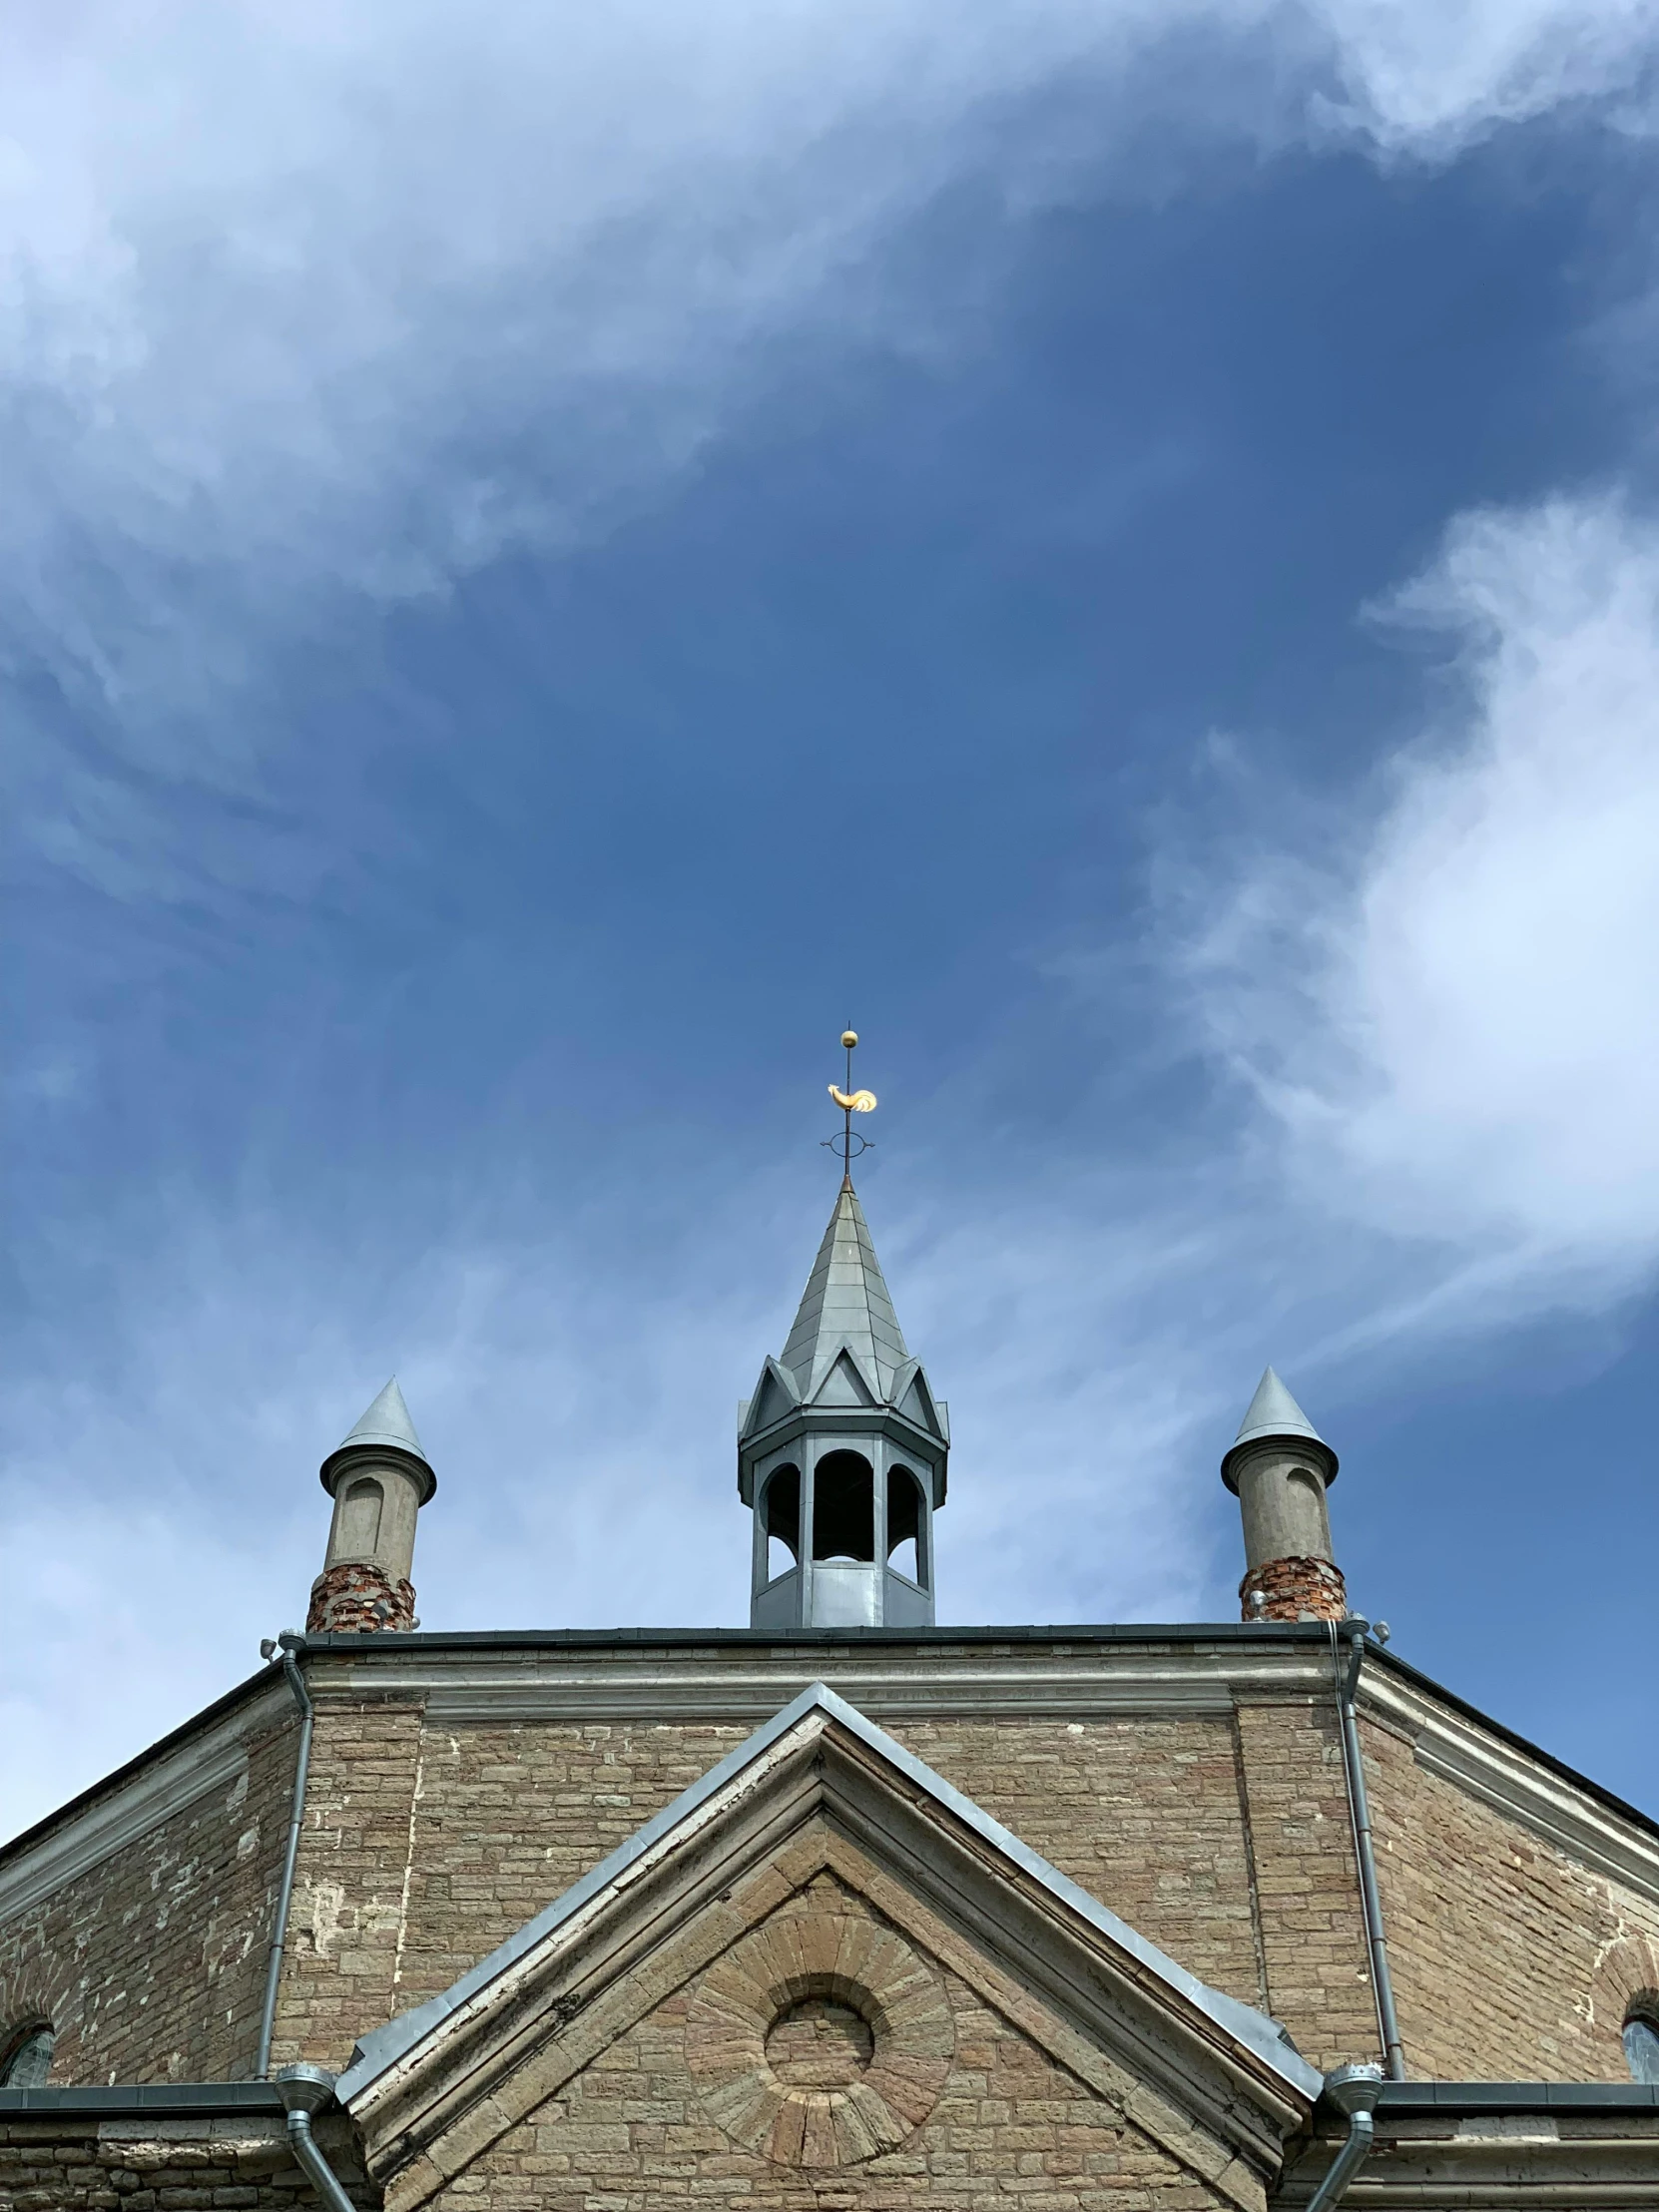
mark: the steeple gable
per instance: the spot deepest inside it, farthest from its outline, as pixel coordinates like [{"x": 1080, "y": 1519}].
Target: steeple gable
[{"x": 843, "y": 1449}]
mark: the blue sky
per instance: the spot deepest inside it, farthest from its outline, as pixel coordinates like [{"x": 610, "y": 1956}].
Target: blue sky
[{"x": 552, "y": 561}]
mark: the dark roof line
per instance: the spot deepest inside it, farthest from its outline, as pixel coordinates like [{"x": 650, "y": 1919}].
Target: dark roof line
[
  {"x": 1055, "y": 1632},
  {"x": 175, "y": 1737},
  {"x": 156, "y": 2100}
]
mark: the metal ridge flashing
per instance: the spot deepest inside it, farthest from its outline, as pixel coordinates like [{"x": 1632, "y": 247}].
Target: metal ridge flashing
[{"x": 100, "y": 2100}]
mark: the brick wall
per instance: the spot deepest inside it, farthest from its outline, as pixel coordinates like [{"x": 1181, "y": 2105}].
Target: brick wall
[
  {"x": 1499, "y": 1942},
  {"x": 631, "y": 2134},
  {"x": 1313, "y": 1930},
  {"x": 353, "y": 1879},
  {"x": 415, "y": 1868},
  {"x": 151, "y": 1965},
  {"x": 1144, "y": 1814},
  {"x": 1224, "y": 1838},
  {"x": 87, "y": 2165}
]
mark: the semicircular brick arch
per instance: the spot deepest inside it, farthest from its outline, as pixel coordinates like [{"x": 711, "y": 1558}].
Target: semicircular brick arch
[
  {"x": 846, "y": 1963},
  {"x": 1627, "y": 1970}
]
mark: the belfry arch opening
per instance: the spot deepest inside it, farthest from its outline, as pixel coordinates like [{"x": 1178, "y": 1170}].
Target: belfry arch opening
[
  {"x": 781, "y": 1519},
  {"x": 906, "y": 1519},
  {"x": 843, "y": 1507}
]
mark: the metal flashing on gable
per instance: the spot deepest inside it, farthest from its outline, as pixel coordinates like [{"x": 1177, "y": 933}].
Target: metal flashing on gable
[{"x": 385, "y": 2046}]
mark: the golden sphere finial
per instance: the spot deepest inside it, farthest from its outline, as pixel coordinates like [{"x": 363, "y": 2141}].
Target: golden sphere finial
[{"x": 849, "y": 1038}]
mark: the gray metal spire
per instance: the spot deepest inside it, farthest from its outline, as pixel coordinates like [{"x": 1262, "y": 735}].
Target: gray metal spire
[
  {"x": 1273, "y": 1412},
  {"x": 846, "y": 1308},
  {"x": 386, "y": 1421}
]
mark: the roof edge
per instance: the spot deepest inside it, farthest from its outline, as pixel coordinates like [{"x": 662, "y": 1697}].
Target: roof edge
[
  {"x": 149, "y": 2099},
  {"x": 118, "y": 1777},
  {"x": 1518, "y": 2096}
]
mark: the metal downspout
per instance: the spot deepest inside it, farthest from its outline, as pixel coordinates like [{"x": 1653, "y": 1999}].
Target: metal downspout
[
  {"x": 1355, "y": 2091},
  {"x": 305, "y": 2090},
  {"x": 1359, "y": 1808},
  {"x": 288, "y": 1643}
]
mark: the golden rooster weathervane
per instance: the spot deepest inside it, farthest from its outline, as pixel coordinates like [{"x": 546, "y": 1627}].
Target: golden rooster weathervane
[{"x": 851, "y": 1102}]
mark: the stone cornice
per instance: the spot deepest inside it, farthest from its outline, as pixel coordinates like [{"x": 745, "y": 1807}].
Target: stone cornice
[
  {"x": 748, "y": 1683},
  {"x": 1500, "y": 2145},
  {"x": 743, "y": 1677},
  {"x": 153, "y": 1792},
  {"x": 1451, "y": 1744}
]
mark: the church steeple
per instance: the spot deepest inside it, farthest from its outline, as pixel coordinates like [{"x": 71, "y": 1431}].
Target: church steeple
[
  {"x": 842, "y": 1451},
  {"x": 844, "y": 1307}
]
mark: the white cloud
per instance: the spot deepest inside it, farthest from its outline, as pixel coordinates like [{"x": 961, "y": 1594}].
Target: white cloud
[
  {"x": 1426, "y": 78},
  {"x": 308, "y": 296},
  {"x": 1452, "y": 1011}
]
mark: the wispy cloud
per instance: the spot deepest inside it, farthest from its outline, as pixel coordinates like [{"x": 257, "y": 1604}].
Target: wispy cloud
[
  {"x": 311, "y": 301},
  {"x": 303, "y": 301},
  {"x": 1447, "y": 1008}
]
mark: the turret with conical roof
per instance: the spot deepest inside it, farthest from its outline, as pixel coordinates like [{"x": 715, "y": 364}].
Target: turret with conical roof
[
  {"x": 378, "y": 1478},
  {"x": 1279, "y": 1467},
  {"x": 842, "y": 1453}
]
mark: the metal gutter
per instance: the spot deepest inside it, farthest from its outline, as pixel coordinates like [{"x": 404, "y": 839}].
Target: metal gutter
[
  {"x": 668, "y": 1639},
  {"x": 288, "y": 1643},
  {"x": 147, "y": 2099},
  {"x": 1611, "y": 2098}
]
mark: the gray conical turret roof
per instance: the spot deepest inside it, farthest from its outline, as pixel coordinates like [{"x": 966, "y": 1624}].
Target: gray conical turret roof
[
  {"x": 1273, "y": 1414},
  {"x": 845, "y": 1304},
  {"x": 385, "y": 1423}
]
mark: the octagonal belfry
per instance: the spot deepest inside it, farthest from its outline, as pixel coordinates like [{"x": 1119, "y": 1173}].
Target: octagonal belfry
[{"x": 842, "y": 1453}]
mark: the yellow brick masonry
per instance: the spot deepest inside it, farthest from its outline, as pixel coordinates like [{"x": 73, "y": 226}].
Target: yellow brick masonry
[
  {"x": 425, "y": 1849},
  {"x": 1313, "y": 1929},
  {"x": 1012, "y": 2128},
  {"x": 1144, "y": 1814},
  {"x": 1498, "y": 1943},
  {"x": 66, "y": 2164},
  {"x": 151, "y": 1965},
  {"x": 1224, "y": 1840},
  {"x": 352, "y": 1878}
]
